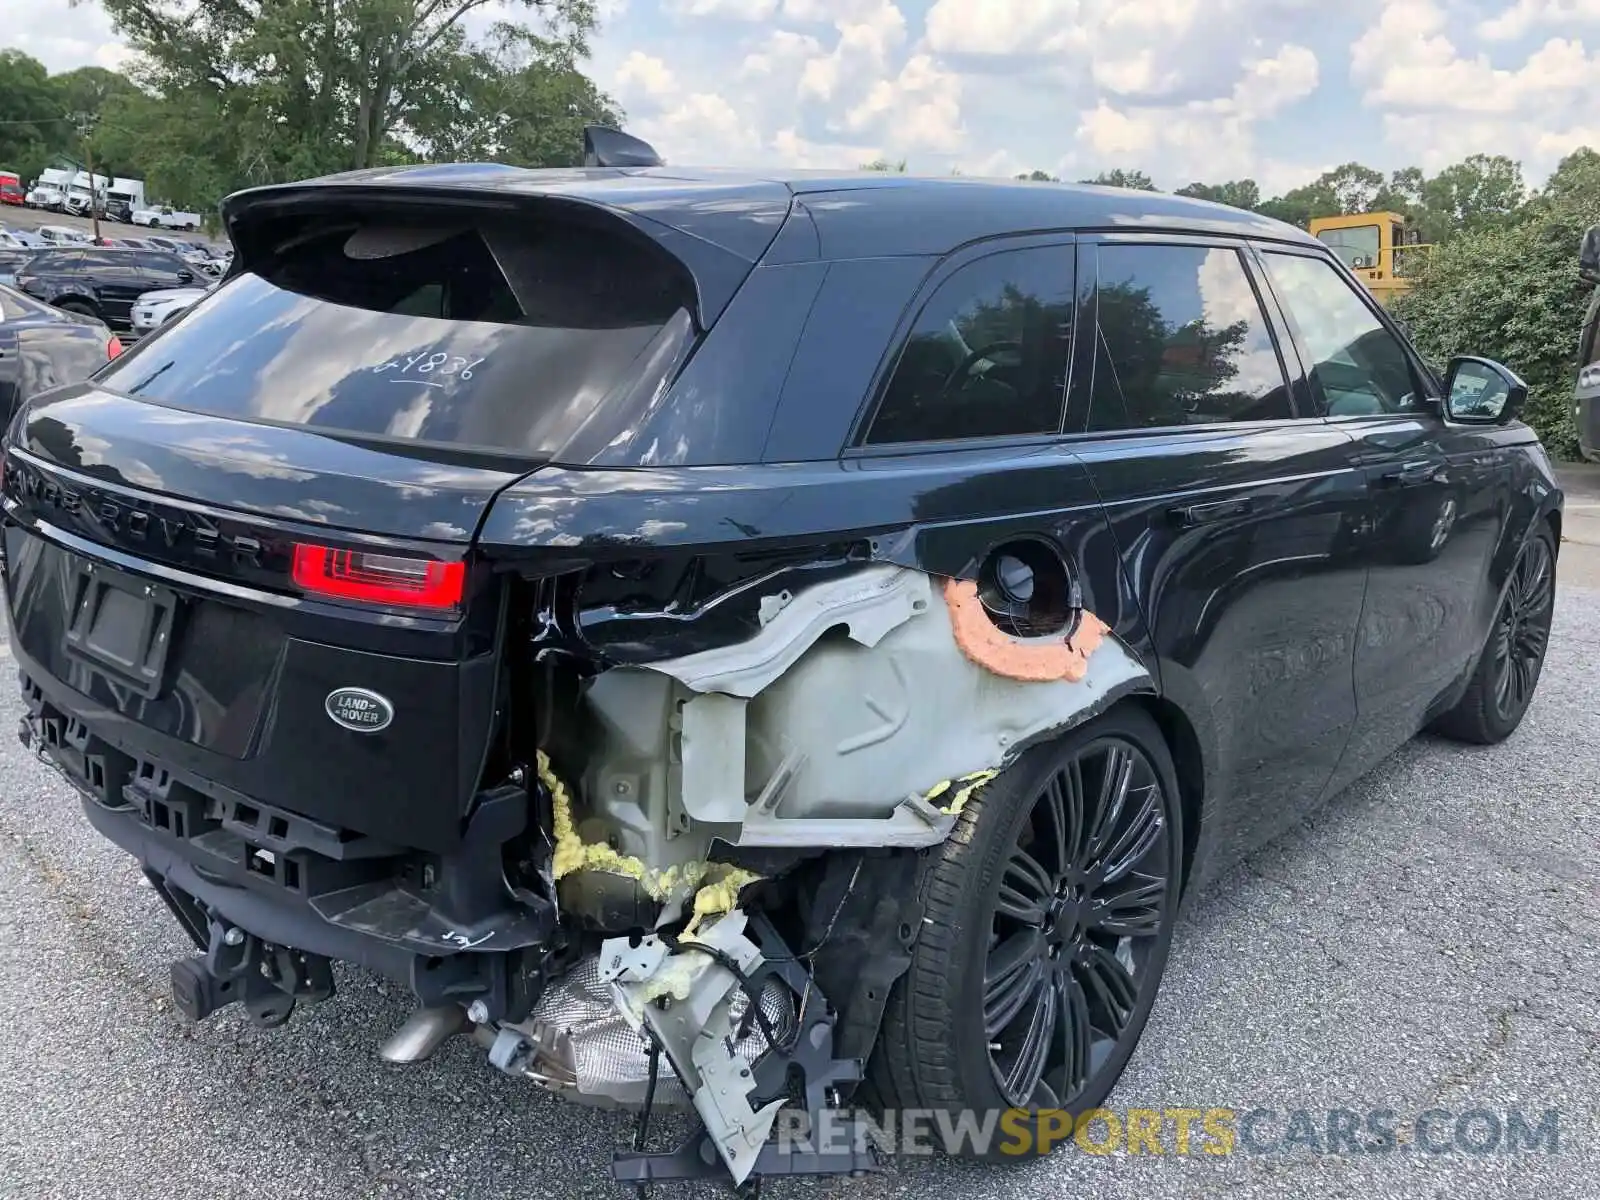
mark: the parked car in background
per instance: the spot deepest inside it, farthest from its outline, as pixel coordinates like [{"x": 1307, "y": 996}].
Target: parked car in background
[
  {"x": 12, "y": 257},
  {"x": 119, "y": 209},
  {"x": 101, "y": 283},
  {"x": 931, "y": 582},
  {"x": 166, "y": 217},
  {"x": 42, "y": 347},
  {"x": 154, "y": 309},
  {"x": 11, "y": 190},
  {"x": 1586, "y": 397},
  {"x": 65, "y": 235}
]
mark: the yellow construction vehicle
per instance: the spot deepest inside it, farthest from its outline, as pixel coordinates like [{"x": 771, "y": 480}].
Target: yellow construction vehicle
[{"x": 1377, "y": 247}]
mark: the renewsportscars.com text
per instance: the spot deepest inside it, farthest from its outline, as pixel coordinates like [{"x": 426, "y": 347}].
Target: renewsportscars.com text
[{"x": 1182, "y": 1131}]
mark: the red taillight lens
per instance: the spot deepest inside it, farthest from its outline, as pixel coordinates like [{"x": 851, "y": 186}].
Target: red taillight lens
[
  {"x": 113, "y": 347},
  {"x": 379, "y": 578}
]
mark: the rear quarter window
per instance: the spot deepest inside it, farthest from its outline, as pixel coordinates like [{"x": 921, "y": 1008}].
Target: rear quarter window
[{"x": 501, "y": 336}]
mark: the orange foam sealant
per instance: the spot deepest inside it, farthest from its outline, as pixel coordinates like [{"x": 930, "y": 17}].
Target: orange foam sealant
[{"x": 1034, "y": 660}]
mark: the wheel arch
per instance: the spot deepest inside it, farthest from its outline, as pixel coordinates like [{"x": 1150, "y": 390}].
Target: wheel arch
[{"x": 1190, "y": 763}]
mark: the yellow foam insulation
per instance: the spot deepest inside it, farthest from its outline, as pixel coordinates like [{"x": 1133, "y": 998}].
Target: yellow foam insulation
[
  {"x": 720, "y": 896},
  {"x": 959, "y": 790},
  {"x": 715, "y": 885}
]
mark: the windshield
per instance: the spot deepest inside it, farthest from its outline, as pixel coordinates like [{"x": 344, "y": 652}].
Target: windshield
[
  {"x": 508, "y": 338},
  {"x": 1357, "y": 248}
]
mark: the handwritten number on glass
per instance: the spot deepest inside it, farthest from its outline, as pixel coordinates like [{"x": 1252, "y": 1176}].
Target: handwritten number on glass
[{"x": 426, "y": 363}]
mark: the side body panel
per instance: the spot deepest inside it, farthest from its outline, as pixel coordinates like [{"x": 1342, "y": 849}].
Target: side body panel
[
  {"x": 1450, "y": 506},
  {"x": 1239, "y": 541}
]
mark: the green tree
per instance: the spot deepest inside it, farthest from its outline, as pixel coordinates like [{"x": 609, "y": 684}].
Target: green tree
[
  {"x": 884, "y": 165},
  {"x": 521, "y": 98},
  {"x": 1300, "y": 204},
  {"x": 1350, "y": 188},
  {"x": 1354, "y": 186},
  {"x": 315, "y": 85},
  {"x": 1240, "y": 193},
  {"x": 1481, "y": 191},
  {"x": 89, "y": 89},
  {"x": 32, "y": 128},
  {"x": 1118, "y": 177},
  {"x": 1037, "y": 176},
  {"x": 1510, "y": 290}
]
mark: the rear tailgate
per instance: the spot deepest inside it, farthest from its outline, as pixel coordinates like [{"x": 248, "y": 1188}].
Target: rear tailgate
[
  {"x": 261, "y": 520},
  {"x": 164, "y": 636}
]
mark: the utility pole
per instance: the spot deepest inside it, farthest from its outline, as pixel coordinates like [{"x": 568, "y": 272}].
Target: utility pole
[{"x": 85, "y": 128}]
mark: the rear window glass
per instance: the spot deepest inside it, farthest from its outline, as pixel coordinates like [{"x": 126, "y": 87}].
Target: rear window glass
[{"x": 506, "y": 337}]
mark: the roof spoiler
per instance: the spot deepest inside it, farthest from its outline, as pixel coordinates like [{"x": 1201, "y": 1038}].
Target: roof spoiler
[{"x": 605, "y": 147}]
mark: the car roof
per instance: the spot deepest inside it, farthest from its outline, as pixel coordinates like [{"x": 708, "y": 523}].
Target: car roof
[{"x": 853, "y": 212}]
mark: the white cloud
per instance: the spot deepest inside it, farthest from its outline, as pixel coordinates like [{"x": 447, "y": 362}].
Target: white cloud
[
  {"x": 1212, "y": 139},
  {"x": 738, "y": 10},
  {"x": 1183, "y": 89},
  {"x": 783, "y": 53},
  {"x": 1000, "y": 27},
  {"x": 867, "y": 36},
  {"x": 1444, "y": 104},
  {"x": 1526, "y": 15},
  {"x": 921, "y": 105},
  {"x": 704, "y": 119},
  {"x": 643, "y": 77},
  {"x": 60, "y": 37},
  {"x": 1409, "y": 62}
]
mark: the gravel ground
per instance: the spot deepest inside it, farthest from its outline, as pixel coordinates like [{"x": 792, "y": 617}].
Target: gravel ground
[{"x": 1427, "y": 941}]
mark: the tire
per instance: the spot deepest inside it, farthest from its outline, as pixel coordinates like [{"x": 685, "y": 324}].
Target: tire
[
  {"x": 82, "y": 307},
  {"x": 942, "y": 1023},
  {"x": 1512, "y": 658}
]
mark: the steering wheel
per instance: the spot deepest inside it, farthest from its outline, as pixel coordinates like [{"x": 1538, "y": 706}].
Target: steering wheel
[{"x": 976, "y": 356}]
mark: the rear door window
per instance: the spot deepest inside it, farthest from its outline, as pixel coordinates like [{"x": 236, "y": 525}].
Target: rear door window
[
  {"x": 502, "y": 336},
  {"x": 987, "y": 356},
  {"x": 163, "y": 267},
  {"x": 1182, "y": 341},
  {"x": 101, "y": 262}
]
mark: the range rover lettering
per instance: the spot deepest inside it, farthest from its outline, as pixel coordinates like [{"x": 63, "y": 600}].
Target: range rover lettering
[{"x": 753, "y": 642}]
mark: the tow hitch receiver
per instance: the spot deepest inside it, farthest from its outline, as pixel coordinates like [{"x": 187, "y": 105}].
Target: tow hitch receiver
[{"x": 239, "y": 967}]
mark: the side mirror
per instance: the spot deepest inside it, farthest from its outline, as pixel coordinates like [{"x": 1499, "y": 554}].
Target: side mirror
[
  {"x": 186, "y": 276},
  {"x": 1480, "y": 391}
]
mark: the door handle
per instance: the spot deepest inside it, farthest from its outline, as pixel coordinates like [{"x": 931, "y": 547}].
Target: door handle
[
  {"x": 1411, "y": 473},
  {"x": 1216, "y": 510}
]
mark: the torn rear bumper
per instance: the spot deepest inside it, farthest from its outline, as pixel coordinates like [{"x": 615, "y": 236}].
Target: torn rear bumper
[{"x": 445, "y": 926}]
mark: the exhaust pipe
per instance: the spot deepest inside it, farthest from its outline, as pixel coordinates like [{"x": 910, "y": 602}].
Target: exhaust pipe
[{"x": 424, "y": 1032}]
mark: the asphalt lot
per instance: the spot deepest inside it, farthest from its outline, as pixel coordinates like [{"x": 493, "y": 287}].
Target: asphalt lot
[{"x": 1430, "y": 940}]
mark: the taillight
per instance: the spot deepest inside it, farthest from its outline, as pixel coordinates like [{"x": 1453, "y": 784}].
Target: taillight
[
  {"x": 378, "y": 578},
  {"x": 113, "y": 347}
]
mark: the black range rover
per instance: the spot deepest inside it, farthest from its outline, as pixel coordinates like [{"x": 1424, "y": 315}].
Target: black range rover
[{"x": 823, "y": 625}]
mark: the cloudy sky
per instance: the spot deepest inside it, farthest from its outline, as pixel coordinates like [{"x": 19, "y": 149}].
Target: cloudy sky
[{"x": 1277, "y": 90}]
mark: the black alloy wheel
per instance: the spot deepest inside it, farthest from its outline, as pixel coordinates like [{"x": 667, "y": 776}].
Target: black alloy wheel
[
  {"x": 1522, "y": 629},
  {"x": 1080, "y": 905},
  {"x": 1047, "y": 916},
  {"x": 1502, "y": 684}
]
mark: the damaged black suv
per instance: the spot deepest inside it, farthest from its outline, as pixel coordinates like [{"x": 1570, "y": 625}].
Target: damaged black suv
[{"x": 814, "y": 629}]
